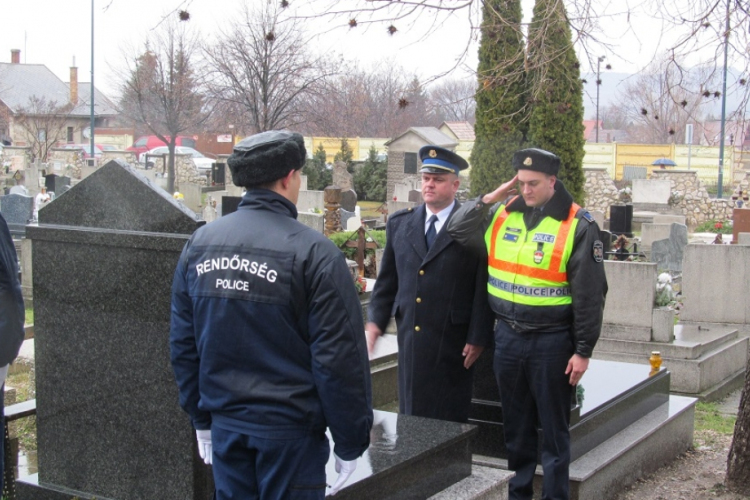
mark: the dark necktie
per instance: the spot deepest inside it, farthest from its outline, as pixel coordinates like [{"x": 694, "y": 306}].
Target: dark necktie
[
  {"x": 429, "y": 236},
  {"x": 535, "y": 217}
]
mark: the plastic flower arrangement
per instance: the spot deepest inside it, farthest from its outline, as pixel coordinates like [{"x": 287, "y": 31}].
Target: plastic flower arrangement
[{"x": 360, "y": 284}]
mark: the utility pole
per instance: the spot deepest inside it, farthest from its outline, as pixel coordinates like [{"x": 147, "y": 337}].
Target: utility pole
[
  {"x": 723, "y": 110},
  {"x": 92, "y": 82},
  {"x": 598, "y": 83}
]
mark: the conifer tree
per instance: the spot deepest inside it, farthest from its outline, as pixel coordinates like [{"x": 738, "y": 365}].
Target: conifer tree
[
  {"x": 346, "y": 154},
  {"x": 556, "y": 122},
  {"x": 500, "y": 96},
  {"x": 371, "y": 178},
  {"x": 318, "y": 174}
]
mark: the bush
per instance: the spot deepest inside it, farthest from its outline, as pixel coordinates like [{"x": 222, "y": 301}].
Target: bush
[
  {"x": 340, "y": 239},
  {"x": 714, "y": 226}
]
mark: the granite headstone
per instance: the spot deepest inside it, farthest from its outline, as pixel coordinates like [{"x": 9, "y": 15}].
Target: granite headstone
[
  {"x": 348, "y": 199},
  {"x": 17, "y": 210},
  {"x": 345, "y": 216},
  {"x": 108, "y": 420},
  {"x": 668, "y": 253}
]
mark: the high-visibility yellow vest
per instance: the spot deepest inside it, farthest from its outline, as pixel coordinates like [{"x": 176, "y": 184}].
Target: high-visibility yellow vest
[{"x": 530, "y": 267}]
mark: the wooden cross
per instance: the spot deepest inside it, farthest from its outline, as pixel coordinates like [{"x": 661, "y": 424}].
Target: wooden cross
[{"x": 360, "y": 245}]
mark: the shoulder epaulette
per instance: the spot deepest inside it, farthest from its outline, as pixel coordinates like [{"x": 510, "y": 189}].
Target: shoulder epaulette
[
  {"x": 586, "y": 215},
  {"x": 401, "y": 212}
]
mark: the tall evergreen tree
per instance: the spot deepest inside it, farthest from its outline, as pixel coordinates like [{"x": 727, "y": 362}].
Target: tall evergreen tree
[
  {"x": 318, "y": 175},
  {"x": 556, "y": 122},
  {"x": 371, "y": 178},
  {"x": 345, "y": 154},
  {"x": 500, "y": 112}
]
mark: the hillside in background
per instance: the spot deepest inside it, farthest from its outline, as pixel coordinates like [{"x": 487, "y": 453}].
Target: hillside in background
[{"x": 614, "y": 84}]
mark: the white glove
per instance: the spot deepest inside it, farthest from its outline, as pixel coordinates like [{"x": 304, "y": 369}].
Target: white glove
[
  {"x": 345, "y": 469},
  {"x": 205, "y": 449}
]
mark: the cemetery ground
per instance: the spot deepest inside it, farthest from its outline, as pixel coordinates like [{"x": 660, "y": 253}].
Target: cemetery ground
[{"x": 697, "y": 474}]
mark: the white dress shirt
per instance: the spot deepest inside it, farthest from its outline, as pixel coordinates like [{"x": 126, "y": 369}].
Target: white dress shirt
[{"x": 442, "y": 217}]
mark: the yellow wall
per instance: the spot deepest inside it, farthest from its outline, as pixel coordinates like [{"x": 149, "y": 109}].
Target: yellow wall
[
  {"x": 703, "y": 159},
  {"x": 360, "y": 146}
]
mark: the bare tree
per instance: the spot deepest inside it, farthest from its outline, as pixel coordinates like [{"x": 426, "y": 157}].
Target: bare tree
[
  {"x": 162, "y": 88},
  {"x": 661, "y": 102},
  {"x": 262, "y": 69},
  {"x": 380, "y": 102},
  {"x": 614, "y": 117},
  {"x": 44, "y": 124},
  {"x": 453, "y": 99},
  {"x": 343, "y": 106}
]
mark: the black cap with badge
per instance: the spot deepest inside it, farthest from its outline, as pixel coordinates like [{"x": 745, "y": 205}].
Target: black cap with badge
[
  {"x": 437, "y": 160},
  {"x": 538, "y": 160}
]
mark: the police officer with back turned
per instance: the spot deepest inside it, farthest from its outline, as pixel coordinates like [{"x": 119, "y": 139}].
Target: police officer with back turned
[{"x": 267, "y": 338}]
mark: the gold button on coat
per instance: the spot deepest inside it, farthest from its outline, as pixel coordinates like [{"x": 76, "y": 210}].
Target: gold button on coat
[
  {"x": 421, "y": 272},
  {"x": 419, "y": 300},
  {"x": 416, "y": 328}
]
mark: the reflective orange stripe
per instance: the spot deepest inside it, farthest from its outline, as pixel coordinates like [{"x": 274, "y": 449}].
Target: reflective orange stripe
[{"x": 551, "y": 274}]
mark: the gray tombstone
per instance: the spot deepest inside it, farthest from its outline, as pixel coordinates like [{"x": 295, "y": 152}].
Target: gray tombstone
[
  {"x": 341, "y": 176},
  {"x": 415, "y": 196},
  {"x": 348, "y": 199},
  {"x": 345, "y": 216},
  {"x": 311, "y": 220},
  {"x": 17, "y": 210},
  {"x": 668, "y": 253},
  {"x": 108, "y": 420}
]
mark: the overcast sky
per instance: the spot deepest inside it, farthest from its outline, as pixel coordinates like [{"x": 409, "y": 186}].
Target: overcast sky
[{"x": 53, "y": 32}]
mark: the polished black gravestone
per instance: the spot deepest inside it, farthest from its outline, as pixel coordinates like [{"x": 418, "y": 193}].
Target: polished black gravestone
[
  {"x": 613, "y": 395},
  {"x": 621, "y": 220},
  {"x": 58, "y": 184},
  {"x": 229, "y": 204},
  {"x": 108, "y": 420},
  {"x": 410, "y": 458}
]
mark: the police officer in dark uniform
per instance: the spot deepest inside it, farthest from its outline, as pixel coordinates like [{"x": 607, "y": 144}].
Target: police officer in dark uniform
[
  {"x": 547, "y": 288},
  {"x": 12, "y": 316},
  {"x": 267, "y": 338},
  {"x": 437, "y": 291}
]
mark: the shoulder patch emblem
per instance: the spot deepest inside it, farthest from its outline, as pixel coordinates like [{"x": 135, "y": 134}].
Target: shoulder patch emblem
[
  {"x": 588, "y": 217},
  {"x": 598, "y": 251}
]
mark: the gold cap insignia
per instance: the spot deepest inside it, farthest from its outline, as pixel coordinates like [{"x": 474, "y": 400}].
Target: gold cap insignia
[
  {"x": 433, "y": 153},
  {"x": 527, "y": 161}
]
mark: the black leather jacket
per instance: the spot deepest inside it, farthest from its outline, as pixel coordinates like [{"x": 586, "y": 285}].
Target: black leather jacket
[{"x": 588, "y": 282}]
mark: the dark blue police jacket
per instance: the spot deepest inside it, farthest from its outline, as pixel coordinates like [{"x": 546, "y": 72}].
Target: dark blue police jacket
[
  {"x": 11, "y": 301},
  {"x": 267, "y": 336}
]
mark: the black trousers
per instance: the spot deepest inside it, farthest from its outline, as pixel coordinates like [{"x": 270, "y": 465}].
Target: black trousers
[{"x": 534, "y": 392}]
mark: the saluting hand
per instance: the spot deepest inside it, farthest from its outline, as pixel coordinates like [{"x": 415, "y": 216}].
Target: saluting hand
[{"x": 506, "y": 189}]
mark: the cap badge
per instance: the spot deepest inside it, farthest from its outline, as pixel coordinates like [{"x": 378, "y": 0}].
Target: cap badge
[
  {"x": 527, "y": 161},
  {"x": 433, "y": 153}
]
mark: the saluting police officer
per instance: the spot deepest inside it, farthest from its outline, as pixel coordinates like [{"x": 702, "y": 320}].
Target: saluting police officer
[
  {"x": 547, "y": 288},
  {"x": 437, "y": 291},
  {"x": 266, "y": 338}
]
